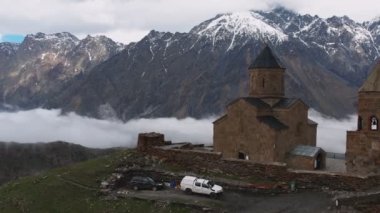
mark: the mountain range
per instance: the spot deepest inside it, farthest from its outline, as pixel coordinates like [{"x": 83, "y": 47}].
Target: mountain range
[
  {"x": 191, "y": 74},
  {"x": 42, "y": 65}
]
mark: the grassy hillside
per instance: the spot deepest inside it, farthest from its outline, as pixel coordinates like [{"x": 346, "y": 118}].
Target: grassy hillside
[
  {"x": 23, "y": 159},
  {"x": 74, "y": 189}
]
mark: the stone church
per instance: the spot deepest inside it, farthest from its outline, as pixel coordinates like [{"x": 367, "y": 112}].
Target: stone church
[
  {"x": 363, "y": 145},
  {"x": 266, "y": 126}
]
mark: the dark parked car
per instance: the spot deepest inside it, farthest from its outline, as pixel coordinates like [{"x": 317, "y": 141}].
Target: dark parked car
[{"x": 139, "y": 182}]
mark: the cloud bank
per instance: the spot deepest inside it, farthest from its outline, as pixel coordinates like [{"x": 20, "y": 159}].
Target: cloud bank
[
  {"x": 41, "y": 125},
  {"x": 331, "y": 133},
  {"x": 130, "y": 20}
]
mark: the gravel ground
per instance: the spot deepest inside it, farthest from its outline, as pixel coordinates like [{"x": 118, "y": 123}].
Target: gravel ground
[
  {"x": 335, "y": 165},
  {"x": 243, "y": 202},
  {"x": 293, "y": 202}
]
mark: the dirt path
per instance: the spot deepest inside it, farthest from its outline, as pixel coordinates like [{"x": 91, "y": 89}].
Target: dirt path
[
  {"x": 174, "y": 196},
  {"x": 294, "y": 202},
  {"x": 244, "y": 202}
]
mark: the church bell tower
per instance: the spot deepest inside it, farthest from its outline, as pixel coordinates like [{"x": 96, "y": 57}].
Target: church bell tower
[{"x": 266, "y": 76}]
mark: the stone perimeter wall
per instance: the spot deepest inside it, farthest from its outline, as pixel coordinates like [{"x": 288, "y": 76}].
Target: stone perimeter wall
[{"x": 203, "y": 161}]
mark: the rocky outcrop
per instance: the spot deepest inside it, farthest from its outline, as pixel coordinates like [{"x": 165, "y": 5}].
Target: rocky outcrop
[{"x": 44, "y": 64}]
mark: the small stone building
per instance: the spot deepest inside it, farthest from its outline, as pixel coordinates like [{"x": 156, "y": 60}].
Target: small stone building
[
  {"x": 265, "y": 126},
  {"x": 363, "y": 145},
  {"x": 146, "y": 141},
  {"x": 307, "y": 158}
]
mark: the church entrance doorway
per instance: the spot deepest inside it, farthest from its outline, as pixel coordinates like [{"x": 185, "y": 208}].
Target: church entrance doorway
[
  {"x": 243, "y": 156},
  {"x": 318, "y": 161}
]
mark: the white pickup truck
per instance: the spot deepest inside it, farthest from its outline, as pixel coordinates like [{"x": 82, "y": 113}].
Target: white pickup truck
[{"x": 190, "y": 184}]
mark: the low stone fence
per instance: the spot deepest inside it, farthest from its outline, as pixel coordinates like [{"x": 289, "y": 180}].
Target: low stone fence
[
  {"x": 336, "y": 181},
  {"x": 185, "y": 156},
  {"x": 206, "y": 161}
]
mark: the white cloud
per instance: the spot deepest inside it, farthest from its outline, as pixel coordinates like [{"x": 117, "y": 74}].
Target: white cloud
[
  {"x": 131, "y": 35},
  {"x": 360, "y": 11},
  {"x": 40, "y": 125},
  {"x": 331, "y": 134},
  {"x": 126, "y": 20}
]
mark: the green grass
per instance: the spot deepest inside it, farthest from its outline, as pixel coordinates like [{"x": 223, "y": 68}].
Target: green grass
[{"x": 50, "y": 191}]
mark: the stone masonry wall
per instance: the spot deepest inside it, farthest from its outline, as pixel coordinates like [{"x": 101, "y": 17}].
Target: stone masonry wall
[
  {"x": 147, "y": 140},
  {"x": 363, "y": 146},
  {"x": 235, "y": 134},
  {"x": 266, "y": 82},
  {"x": 203, "y": 161},
  {"x": 301, "y": 162}
]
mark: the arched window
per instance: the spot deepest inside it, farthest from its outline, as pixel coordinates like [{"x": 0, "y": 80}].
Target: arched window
[
  {"x": 374, "y": 123},
  {"x": 360, "y": 123}
]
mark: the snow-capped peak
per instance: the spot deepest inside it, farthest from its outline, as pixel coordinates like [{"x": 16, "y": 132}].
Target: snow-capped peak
[
  {"x": 373, "y": 25},
  {"x": 64, "y": 36},
  {"x": 8, "y": 48},
  {"x": 248, "y": 23},
  {"x": 374, "y": 20}
]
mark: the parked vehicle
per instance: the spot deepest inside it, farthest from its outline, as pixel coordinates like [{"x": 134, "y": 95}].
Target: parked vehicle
[
  {"x": 139, "y": 182},
  {"x": 190, "y": 184}
]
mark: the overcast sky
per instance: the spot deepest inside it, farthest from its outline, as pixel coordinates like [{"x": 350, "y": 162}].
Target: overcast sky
[{"x": 130, "y": 20}]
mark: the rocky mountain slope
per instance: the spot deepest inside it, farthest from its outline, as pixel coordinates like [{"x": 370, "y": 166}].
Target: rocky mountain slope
[
  {"x": 374, "y": 27},
  {"x": 197, "y": 73},
  {"x": 41, "y": 65}
]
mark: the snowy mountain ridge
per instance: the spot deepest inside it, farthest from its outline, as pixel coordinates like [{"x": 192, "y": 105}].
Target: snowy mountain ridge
[
  {"x": 43, "y": 63},
  {"x": 279, "y": 25},
  {"x": 249, "y": 24},
  {"x": 55, "y": 36},
  {"x": 8, "y": 48},
  {"x": 191, "y": 74}
]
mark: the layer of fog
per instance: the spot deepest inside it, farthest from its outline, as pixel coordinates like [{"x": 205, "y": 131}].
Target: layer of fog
[
  {"x": 40, "y": 125},
  {"x": 331, "y": 133}
]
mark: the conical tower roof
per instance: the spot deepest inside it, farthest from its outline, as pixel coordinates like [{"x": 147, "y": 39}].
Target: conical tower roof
[
  {"x": 266, "y": 59},
  {"x": 373, "y": 81}
]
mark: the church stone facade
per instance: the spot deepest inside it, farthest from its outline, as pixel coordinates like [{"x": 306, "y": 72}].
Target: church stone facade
[
  {"x": 363, "y": 145},
  {"x": 266, "y": 126}
]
